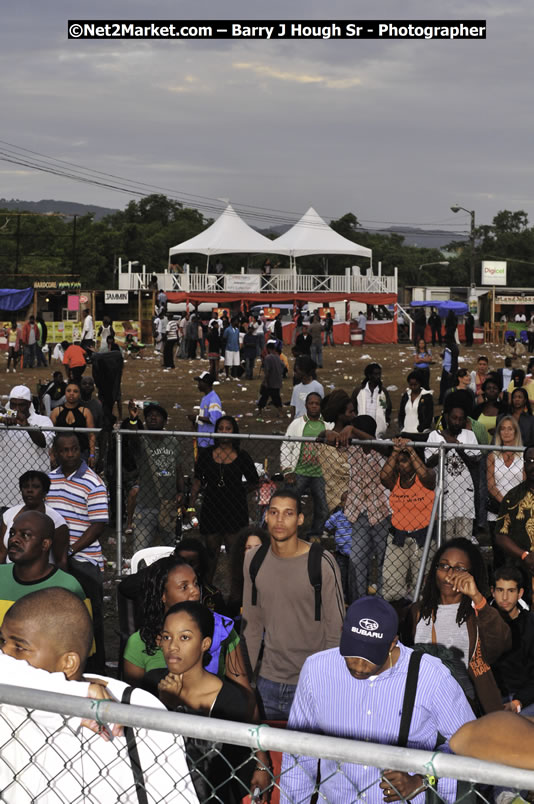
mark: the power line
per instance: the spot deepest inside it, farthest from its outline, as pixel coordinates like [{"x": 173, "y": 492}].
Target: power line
[{"x": 43, "y": 163}]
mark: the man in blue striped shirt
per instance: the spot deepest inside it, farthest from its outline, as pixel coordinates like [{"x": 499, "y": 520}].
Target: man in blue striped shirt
[{"x": 357, "y": 691}]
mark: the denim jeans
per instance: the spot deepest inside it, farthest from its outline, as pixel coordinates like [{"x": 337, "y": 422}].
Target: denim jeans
[
  {"x": 249, "y": 367},
  {"x": 276, "y": 698},
  {"x": 316, "y": 488},
  {"x": 329, "y": 336},
  {"x": 368, "y": 540},
  {"x": 30, "y": 354},
  {"x": 316, "y": 354}
]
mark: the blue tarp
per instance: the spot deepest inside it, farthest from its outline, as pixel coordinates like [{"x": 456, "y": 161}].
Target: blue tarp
[
  {"x": 15, "y": 299},
  {"x": 443, "y": 307}
]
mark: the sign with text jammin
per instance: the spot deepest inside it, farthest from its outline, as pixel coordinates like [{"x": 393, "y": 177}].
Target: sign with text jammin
[
  {"x": 493, "y": 272},
  {"x": 116, "y": 297}
]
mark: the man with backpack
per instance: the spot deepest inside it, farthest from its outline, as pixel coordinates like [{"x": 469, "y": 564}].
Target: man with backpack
[
  {"x": 373, "y": 688},
  {"x": 293, "y": 599}
]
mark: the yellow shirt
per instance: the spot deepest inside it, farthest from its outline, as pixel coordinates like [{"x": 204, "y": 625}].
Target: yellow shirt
[{"x": 529, "y": 388}]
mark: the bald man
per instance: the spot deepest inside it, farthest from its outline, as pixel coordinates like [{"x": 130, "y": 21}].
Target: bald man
[
  {"x": 28, "y": 547},
  {"x": 52, "y": 630}
]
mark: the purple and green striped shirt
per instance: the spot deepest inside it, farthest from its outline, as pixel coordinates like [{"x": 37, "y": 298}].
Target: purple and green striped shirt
[{"x": 81, "y": 499}]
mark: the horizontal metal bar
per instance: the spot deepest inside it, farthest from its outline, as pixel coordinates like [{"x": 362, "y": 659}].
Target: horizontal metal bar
[{"x": 271, "y": 739}]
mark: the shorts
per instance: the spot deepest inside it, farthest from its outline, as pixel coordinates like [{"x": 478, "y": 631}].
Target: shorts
[{"x": 231, "y": 358}]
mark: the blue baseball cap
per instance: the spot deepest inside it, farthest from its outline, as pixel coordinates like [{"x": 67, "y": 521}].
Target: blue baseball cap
[{"x": 370, "y": 626}]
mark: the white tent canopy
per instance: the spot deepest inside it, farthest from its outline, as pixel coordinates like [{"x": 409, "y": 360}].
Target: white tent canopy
[
  {"x": 312, "y": 235},
  {"x": 229, "y": 234}
]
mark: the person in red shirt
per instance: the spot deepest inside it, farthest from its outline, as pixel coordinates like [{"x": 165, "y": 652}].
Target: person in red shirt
[{"x": 74, "y": 359}]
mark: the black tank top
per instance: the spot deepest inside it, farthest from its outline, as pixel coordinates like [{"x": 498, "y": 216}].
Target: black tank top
[{"x": 79, "y": 421}]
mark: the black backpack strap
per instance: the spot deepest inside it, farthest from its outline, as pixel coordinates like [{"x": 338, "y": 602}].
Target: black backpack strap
[
  {"x": 315, "y": 557},
  {"x": 133, "y": 754},
  {"x": 255, "y": 564},
  {"x": 409, "y": 698}
]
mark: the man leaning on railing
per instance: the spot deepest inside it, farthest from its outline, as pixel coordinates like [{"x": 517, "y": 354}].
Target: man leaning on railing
[{"x": 369, "y": 689}]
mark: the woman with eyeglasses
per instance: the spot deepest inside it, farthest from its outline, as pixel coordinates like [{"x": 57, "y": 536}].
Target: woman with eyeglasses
[{"x": 454, "y": 617}]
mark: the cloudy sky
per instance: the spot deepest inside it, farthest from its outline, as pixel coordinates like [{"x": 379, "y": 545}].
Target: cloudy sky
[{"x": 395, "y": 132}]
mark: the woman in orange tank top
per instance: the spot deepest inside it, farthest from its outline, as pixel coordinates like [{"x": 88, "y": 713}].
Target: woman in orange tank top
[{"x": 411, "y": 485}]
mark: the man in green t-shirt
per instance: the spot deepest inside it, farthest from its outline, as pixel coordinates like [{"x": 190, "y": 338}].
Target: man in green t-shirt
[
  {"x": 307, "y": 474},
  {"x": 28, "y": 547}
]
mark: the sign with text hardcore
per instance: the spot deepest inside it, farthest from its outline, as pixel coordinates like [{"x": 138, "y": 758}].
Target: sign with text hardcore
[
  {"x": 116, "y": 297},
  {"x": 493, "y": 272}
]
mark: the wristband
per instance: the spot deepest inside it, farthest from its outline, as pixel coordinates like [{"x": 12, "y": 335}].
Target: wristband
[
  {"x": 481, "y": 605},
  {"x": 92, "y": 455},
  {"x": 524, "y": 555},
  {"x": 517, "y": 705},
  {"x": 190, "y": 510}
]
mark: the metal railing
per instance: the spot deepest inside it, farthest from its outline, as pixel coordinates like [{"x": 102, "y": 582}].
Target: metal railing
[
  {"x": 275, "y": 283},
  {"x": 23, "y": 752}
]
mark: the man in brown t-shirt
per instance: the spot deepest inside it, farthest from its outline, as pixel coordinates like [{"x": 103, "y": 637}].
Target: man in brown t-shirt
[{"x": 284, "y": 614}]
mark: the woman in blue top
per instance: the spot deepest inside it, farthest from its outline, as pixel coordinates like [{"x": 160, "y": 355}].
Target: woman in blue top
[{"x": 423, "y": 361}]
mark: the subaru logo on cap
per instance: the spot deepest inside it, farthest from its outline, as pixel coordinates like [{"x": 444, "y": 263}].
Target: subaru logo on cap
[{"x": 368, "y": 624}]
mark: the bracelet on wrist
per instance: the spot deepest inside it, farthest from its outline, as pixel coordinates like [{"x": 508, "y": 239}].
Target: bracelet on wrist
[{"x": 524, "y": 555}]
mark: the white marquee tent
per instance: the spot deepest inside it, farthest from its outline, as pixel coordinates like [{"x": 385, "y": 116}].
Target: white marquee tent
[
  {"x": 229, "y": 234},
  {"x": 312, "y": 235}
]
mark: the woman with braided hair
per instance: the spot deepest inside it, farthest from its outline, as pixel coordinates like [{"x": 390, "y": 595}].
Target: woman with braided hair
[
  {"x": 168, "y": 581},
  {"x": 454, "y": 616}
]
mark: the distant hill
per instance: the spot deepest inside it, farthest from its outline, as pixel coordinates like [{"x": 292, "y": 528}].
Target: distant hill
[
  {"x": 49, "y": 205},
  {"x": 413, "y": 236}
]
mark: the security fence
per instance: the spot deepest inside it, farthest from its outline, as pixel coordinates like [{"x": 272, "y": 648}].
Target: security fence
[
  {"x": 369, "y": 502},
  {"x": 49, "y": 756}
]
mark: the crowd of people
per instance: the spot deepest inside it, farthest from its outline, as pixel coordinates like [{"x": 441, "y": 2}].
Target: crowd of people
[{"x": 321, "y": 638}]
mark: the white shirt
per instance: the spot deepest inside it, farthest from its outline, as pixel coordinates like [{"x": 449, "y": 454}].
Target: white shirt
[
  {"x": 372, "y": 400},
  {"x": 58, "y": 352},
  {"x": 82, "y": 768},
  {"x": 88, "y": 329},
  {"x": 300, "y": 392},
  {"x": 411, "y": 416},
  {"x": 458, "y": 492},
  {"x": 18, "y": 453},
  {"x": 12, "y": 512}
]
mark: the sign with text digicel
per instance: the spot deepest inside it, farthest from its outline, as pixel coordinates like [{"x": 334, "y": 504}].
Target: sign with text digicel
[{"x": 493, "y": 272}]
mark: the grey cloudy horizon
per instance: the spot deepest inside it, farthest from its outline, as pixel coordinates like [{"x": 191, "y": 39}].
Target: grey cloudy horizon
[{"x": 394, "y": 132}]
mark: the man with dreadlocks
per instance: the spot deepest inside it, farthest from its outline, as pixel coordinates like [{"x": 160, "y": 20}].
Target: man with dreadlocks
[{"x": 455, "y": 618}]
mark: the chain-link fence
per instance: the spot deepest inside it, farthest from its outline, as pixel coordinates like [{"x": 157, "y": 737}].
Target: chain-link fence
[
  {"x": 48, "y": 755},
  {"x": 369, "y": 503}
]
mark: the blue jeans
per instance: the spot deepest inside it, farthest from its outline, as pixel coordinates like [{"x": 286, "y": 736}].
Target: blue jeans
[
  {"x": 368, "y": 540},
  {"x": 30, "y": 354},
  {"x": 316, "y": 487},
  {"x": 316, "y": 354},
  {"x": 329, "y": 336},
  {"x": 276, "y": 698},
  {"x": 249, "y": 367}
]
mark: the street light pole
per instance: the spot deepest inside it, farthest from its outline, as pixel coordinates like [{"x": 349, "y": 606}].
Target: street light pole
[{"x": 470, "y": 212}]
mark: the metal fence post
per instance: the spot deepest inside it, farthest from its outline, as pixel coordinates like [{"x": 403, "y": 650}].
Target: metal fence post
[
  {"x": 118, "y": 513},
  {"x": 441, "y": 484}
]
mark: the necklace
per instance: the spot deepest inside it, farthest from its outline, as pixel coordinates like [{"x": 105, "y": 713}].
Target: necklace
[
  {"x": 406, "y": 484},
  {"x": 220, "y": 482}
]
